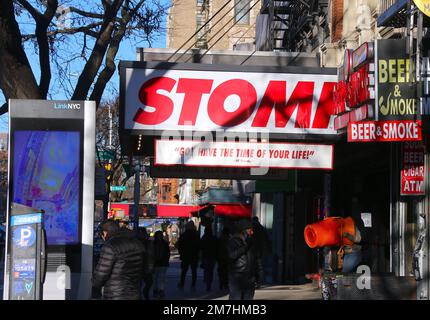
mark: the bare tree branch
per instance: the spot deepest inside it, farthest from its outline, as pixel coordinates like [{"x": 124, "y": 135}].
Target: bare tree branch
[
  {"x": 42, "y": 25},
  {"x": 32, "y": 10},
  {"x": 86, "y": 13},
  {"x": 108, "y": 24},
  {"x": 94, "y": 62},
  {"x": 70, "y": 31},
  {"x": 109, "y": 68}
]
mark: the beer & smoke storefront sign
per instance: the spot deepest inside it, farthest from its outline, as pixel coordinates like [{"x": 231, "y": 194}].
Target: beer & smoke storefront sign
[{"x": 396, "y": 98}]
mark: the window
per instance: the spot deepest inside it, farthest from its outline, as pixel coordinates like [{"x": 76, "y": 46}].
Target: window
[
  {"x": 165, "y": 191},
  {"x": 241, "y": 11}
]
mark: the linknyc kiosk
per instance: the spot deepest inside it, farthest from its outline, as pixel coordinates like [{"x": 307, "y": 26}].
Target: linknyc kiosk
[{"x": 51, "y": 168}]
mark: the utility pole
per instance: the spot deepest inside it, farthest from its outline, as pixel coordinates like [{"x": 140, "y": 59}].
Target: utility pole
[{"x": 136, "y": 196}]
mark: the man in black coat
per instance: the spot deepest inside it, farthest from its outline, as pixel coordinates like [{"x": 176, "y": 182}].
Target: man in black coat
[
  {"x": 188, "y": 248},
  {"x": 245, "y": 268},
  {"x": 148, "y": 277},
  {"x": 121, "y": 265}
]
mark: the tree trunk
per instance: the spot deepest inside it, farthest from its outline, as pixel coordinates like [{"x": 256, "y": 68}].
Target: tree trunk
[{"x": 16, "y": 77}]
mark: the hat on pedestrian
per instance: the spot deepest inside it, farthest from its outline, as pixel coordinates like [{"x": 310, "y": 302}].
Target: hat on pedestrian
[{"x": 244, "y": 225}]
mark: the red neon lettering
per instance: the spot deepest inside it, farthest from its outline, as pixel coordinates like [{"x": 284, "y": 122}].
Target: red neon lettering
[
  {"x": 325, "y": 107},
  {"x": 248, "y": 99},
  {"x": 193, "y": 89},
  {"x": 275, "y": 95},
  {"x": 148, "y": 96}
]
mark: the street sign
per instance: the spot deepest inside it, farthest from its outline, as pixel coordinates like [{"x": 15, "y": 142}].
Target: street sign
[{"x": 118, "y": 188}]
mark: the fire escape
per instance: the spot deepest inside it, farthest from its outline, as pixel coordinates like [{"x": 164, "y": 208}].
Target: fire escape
[{"x": 296, "y": 25}]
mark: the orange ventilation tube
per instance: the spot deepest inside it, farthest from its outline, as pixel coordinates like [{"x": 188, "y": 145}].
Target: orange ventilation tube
[{"x": 328, "y": 232}]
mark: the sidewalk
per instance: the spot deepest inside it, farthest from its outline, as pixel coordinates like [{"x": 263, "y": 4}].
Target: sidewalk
[{"x": 268, "y": 292}]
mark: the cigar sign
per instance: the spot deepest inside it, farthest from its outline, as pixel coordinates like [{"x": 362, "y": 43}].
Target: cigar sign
[
  {"x": 198, "y": 97},
  {"x": 413, "y": 169},
  {"x": 243, "y": 154}
]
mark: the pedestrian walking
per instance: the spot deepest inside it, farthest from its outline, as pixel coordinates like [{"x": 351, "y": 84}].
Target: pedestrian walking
[
  {"x": 188, "y": 249},
  {"x": 262, "y": 241},
  {"x": 261, "y": 237},
  {"x": 222, "y": 258},
  {"x": 148, "y": 277},
  {"x": 161, "y": 263},
  {"x": 122, "y": 264},
  {"x": 245, "y": 267},
  {"x": 208, "y": 246}
]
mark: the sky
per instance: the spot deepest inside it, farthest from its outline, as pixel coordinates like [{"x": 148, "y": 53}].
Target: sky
[{"x": 127, "y": 51}]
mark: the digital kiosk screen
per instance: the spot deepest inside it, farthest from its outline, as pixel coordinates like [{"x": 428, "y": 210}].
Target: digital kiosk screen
[{"x": 46, "y": 176}]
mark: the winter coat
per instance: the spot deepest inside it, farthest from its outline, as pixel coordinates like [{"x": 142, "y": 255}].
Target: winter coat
[
  {"x": 261, "y": 239},
  {"x": 149, "y": 256},
  {"x": 244, "y": 259},
  {"x": 120, "y": 268},
  {"x": 208, "y": 246},
  {"x": 222, "y": 250},
  {"x": 188, "y": 245}
]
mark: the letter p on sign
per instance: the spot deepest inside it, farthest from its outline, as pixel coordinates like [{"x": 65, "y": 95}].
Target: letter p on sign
[{"x": 25, "y": 235}]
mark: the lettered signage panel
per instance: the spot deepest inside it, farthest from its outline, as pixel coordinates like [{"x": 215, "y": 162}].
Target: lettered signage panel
[
  {"x": 396, "y": 90},
  {"x": 243, "y": 154},
  {"x": 197, "y": 100},
  {"x": 413, "y": 169},
  {"x": 384, "y": 131}
]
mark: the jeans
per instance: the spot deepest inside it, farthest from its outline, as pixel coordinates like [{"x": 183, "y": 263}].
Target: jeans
[
  {"x": 208, "y": 265},
  {"x": 223, "y": 275},
  {"x": 242, "y": 287},
  {"x": 159, "y": 278},
  {"x": 185, "y": 264},
  {"x": 351, "y": 261},
  {"x": 146, "y": 286}
]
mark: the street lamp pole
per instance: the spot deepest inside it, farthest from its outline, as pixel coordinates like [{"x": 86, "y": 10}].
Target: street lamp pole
[{"x": 136, "y": 196}]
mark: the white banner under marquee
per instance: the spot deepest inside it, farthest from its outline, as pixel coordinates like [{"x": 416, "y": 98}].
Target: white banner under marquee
[{"x": 243, "y": 154}]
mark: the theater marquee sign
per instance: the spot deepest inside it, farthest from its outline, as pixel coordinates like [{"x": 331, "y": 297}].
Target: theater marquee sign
[
  {"x": 199, "y": 97},
  {"x": 264, "y": 104}
]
